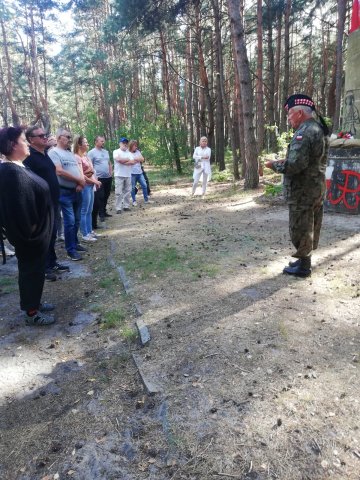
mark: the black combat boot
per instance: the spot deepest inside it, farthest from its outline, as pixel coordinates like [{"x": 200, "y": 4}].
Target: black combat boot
[
  {"x": 294, "y": 264},
  {"x": 302, "y": 269}
]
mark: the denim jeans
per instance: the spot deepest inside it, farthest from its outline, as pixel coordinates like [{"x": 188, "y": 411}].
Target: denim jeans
[
  {"x": 86, "y": 210},
  {"x": 70, "y": 202},
  {"x": 138, "y": 177}
]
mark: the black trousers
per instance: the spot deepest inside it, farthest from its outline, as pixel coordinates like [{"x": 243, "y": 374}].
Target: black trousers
[
  {"x": 51, "y": 255},
  {"x": 31, "y": 279},
  {"x": 101, "y": 198}
]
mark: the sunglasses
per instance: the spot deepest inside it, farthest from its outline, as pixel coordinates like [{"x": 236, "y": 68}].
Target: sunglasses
[
  {"x": 42, "y": 135},
  {"x": 67, "y": 136}
]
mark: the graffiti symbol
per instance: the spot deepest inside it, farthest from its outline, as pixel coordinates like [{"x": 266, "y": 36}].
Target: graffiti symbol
[{"x": 347, "y": 183}]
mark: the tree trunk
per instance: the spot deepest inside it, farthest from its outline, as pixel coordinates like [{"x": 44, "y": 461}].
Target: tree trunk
[
  {"x": 220, "y": 144},
  {"x": 204, "y": 79},
  {"x": 9, "y": 77},
  {"x": 189, "y": 90},
  {"x": 271, "y": 143},
  {"x": 259, "y": 79},
  {"x": 285, "y": 89},
  {"x": 175, "y": 146},
  {"x": 239, "y": 135},
  {"x": 242, "y": 65},
  {"x": 325, "y": 66},
  {"x": 277, "y": 103}
]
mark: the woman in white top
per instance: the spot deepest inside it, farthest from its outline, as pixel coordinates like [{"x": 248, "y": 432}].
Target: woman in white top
[{"x": 202, "y": 156}]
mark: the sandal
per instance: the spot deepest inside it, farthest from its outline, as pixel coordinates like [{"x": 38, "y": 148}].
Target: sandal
[{"x": 39, "y": 319}]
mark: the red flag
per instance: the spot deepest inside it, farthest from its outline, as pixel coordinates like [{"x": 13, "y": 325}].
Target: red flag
[{"x": 355, "y": 17}]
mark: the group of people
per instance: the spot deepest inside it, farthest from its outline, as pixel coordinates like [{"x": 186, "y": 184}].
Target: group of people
[
  {"x": 35, "y": 180},
  {"x": 43, "y": 178}
]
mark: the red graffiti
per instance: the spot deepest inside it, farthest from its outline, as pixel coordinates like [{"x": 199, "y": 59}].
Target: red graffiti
[{"x": 350, "y": 177}]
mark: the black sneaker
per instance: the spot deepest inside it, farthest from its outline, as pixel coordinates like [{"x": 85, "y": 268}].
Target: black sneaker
[
  {"x": 58, "y": 267},
  {"x": 75, "y": 256},
  {"x": 80, "y": 248},
  {"x": 50, "y": 275},
  {"x": 108, "y": 215}
]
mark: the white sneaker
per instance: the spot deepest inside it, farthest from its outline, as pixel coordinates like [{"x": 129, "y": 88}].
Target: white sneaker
[
  {"x": 149, "y": 201},
  {"x": 89, "y": 238},
  {"x": 96, "y": 235},
  {"x": 134, "y": 204}
]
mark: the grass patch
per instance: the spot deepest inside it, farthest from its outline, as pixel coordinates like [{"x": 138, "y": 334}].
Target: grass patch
[
  {"x": 129, "y": 334},
  {"x": 168, "y": 176},
  {"x": 155, "y": 261},
  {"x": 205, "y": 271},
  {"x": 109, "y": 283},
  {"x": 8, "y": 285},
  {"x": 113, "y": 319}
]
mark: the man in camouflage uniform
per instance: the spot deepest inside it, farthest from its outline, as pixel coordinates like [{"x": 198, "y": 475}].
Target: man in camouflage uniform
[{"x": 304, "y": 180}]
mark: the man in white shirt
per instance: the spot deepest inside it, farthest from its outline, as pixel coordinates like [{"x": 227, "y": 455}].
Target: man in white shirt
[{"x": 123, "y": 162}]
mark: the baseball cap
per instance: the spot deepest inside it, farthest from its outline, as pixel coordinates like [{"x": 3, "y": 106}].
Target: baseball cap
[{"x": 123, "y": 140}]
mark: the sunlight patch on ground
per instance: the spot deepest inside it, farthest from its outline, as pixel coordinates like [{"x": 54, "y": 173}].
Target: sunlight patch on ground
[{"x": 17, "y": 375}]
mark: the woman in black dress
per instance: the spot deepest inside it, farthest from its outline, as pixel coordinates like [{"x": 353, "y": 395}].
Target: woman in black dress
[{"x": 26, "y": 218}]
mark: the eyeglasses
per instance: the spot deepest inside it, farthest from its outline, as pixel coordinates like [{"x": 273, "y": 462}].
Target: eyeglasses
[
  {"x": 42, "y": 135},
  {"x": 67, "y": 136}
]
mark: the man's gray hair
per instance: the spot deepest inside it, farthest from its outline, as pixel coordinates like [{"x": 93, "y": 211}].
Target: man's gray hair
[
  {"x": 61, "y": 131},
  {"x": 308, "y": 110}
]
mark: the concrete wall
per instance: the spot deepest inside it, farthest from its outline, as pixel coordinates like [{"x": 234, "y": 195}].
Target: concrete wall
[{"x": 351, "y": 105}]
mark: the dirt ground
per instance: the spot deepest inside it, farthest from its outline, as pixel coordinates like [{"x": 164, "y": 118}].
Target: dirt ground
[{"x": 256, "y": 372}]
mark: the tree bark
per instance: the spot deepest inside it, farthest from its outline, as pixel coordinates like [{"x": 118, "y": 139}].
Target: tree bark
[
  {"x": 204, "y": 81},
  {"x": 242, "y": 65},
  {"x": 219, "y": 144},
  {"x": 175, "y": 146},
  {"x": 285, "y": 89},
  {"x": 259, "y": 79},
  {"x": 9, "y": 77}
]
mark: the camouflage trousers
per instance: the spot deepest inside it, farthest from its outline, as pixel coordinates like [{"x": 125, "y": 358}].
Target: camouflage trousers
[{"x": 305, "y": 225}]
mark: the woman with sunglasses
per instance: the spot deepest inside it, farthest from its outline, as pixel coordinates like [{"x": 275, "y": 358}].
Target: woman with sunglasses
[{"x": 26, "y": 217}]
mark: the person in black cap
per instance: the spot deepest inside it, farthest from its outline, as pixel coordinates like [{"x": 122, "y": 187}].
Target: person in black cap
[{"x": 304, "y": 179}]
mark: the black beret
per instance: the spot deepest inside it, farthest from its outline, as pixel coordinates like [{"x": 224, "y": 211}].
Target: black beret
[{"x": 297, "y": 100}]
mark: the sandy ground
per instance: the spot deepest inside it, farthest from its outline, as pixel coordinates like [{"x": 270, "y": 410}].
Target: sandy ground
[{"x": 257, "y": 372}]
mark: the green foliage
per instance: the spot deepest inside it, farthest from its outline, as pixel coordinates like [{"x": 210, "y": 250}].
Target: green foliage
[
  {"x": 93, "y": 126},
  {"x": 113, "y": 318},
  {"x": 284, "y": 139},
  {"x": 273, "y": 190},
  {"x": 223, "y": 176}
]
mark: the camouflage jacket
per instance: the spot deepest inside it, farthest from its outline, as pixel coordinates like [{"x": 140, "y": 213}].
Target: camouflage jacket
[{"x": 305, "y": 165}]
